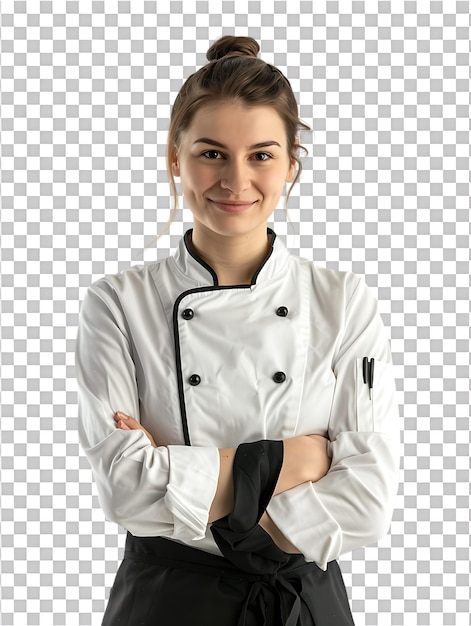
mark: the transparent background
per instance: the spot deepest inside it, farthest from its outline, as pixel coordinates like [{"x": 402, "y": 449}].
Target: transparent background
[{"x": 85, "y": 98}]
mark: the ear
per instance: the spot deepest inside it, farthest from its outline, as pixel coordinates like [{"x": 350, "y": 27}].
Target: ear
[
  {"x": 174, "y": 162},
  {"x": 293, "y": 165},
  {"x": 291, "y": 171}
]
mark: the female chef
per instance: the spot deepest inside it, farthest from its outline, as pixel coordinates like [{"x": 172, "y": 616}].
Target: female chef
[{"x": 236, "y": 402}]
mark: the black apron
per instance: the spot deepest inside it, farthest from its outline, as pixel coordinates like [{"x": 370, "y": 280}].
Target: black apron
[{"x": 164, "y": 583}]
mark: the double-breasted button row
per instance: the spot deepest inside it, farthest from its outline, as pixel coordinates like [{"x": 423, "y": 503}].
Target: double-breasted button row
[
  {"x": 195, "y": 379},
  {"x": 188, "y": 314}
]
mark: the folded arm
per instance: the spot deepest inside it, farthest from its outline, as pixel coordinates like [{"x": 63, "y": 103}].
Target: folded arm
[{"x": 305, "y": 459}]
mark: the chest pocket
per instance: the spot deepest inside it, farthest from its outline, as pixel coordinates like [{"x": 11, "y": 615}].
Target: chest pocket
[{"x": 378, "y": 413}]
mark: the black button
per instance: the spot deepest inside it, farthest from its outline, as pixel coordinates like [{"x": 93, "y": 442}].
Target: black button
[
  {"x": 194, "y": 380},
  {"x": 279, "y": 377},
  {"x": 188, "y": 314},
  {"x": 282, "y": 311}
]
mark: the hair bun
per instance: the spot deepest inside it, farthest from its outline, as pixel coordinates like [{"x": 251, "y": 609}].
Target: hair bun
[{"x": 233, "y": 46}]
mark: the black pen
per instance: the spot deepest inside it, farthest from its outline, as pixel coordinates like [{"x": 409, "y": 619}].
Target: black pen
[
  {"x": 365, "y": 369},
  {"x": 371, "y": 375}
]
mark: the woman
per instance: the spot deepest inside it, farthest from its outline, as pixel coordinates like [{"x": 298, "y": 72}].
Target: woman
[{"x": 236, "y": 402}]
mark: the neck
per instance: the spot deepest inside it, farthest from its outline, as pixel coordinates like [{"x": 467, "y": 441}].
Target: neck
[{"x": 234, "y": 259}]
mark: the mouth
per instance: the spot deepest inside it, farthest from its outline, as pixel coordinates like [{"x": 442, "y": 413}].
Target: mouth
[{"x": 233, "y": 206}]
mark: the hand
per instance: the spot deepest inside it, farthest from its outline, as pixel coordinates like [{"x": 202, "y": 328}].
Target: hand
[{"x": 126, "y": 422}]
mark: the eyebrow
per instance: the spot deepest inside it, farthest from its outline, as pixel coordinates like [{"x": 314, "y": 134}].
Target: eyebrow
[{"x": 255, "y": 146}]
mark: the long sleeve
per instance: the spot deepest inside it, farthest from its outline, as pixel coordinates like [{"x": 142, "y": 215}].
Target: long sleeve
[
  {"x": 352, "y": 505},
  {"x": 150, "y": 491}
]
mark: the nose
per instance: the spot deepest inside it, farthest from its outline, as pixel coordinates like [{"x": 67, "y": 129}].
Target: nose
[{"x": 235, "y": 177}]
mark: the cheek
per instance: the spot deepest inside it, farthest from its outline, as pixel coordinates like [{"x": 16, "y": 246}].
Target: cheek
[
  {"x": 189, "y": 179},
  {"x": 196, "y": 177},
  {"x": 274, "y": 182}
]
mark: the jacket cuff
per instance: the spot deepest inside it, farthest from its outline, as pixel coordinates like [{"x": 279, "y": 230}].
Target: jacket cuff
[
  {"x": 290, "y": 510},
  {"x": 193, "y": 479}
]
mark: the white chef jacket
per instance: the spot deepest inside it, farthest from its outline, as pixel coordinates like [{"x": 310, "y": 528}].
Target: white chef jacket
[{"x": 214, "y": 366}]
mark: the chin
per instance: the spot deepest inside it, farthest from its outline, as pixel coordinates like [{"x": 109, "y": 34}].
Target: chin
[{"x": 237, "y": 230}]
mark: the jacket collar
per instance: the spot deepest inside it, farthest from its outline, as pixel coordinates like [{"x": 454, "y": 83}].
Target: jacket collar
[{"x": 198, "y": 271}]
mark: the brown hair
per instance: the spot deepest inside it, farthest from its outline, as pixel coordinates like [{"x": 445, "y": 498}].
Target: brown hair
[{"x": 234, "y": 73}]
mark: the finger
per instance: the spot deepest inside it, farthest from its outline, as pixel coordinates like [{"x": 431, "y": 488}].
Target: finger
[
  {"x": 126, "y": 422},
  {"x": 128, "y": 419},
  {"x": 133, "y": 424},
  {"x": 119, "y": 415}
]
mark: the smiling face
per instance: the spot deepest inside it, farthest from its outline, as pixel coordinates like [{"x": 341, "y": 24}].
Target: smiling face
[{"x": 233, "y": 162}]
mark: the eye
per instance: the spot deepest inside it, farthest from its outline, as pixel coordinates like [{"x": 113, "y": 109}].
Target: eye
[
  {"x": 212, "y": 154},
  {"x": 262, "y": 156}
]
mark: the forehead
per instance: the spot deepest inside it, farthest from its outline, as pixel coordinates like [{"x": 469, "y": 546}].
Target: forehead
[{"x": 226, "y": 122}]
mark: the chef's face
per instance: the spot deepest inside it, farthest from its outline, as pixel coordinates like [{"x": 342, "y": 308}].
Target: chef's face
[{"x": 233, "y": 163}]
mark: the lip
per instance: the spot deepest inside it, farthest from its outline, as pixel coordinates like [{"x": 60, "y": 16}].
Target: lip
[{"x": 232, "y": 206}]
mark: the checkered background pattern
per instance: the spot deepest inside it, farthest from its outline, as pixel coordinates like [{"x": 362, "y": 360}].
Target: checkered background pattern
[{"x": 86, "y": 89}]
